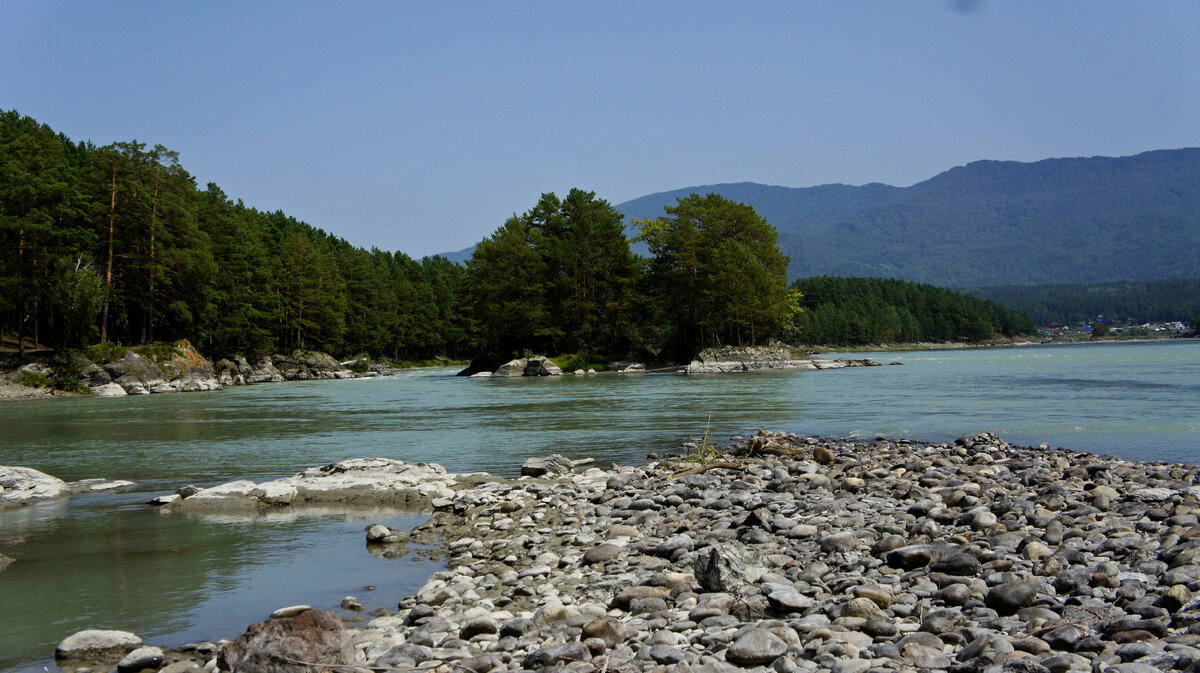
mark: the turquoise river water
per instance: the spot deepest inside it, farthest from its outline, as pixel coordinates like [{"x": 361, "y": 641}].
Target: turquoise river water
[{"x": 107, "y": 560}]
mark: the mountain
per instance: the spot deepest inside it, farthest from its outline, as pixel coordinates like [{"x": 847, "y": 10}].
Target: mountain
[{"x": 1081, "y": 220}]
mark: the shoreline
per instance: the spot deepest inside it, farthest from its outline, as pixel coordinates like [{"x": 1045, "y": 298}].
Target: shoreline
[
  {"x": 1015, "y": 343},
  {"x": 853, "y": 555}
]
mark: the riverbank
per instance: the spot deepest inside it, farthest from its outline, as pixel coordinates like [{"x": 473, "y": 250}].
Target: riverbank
[
  {"x": 994, "y": 343},
  {"x": 800, "y": 554},
  {"x": 112, "y": 371}
]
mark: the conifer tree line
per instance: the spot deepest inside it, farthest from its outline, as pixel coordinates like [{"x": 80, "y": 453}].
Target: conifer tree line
[
  {"x": 117, "y": 243},
  {"x": 854, "y": 311}
]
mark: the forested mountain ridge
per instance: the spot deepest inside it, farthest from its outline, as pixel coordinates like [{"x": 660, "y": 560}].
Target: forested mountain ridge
[
  {"x": 1079, "y": 220},
  {"x": 1119, "y": 302}
]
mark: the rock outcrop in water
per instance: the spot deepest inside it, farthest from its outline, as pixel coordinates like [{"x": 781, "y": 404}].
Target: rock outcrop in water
[
  {"x": 20, "y": 486},
  {"x": 735, "y": 359},
  {"x": 359, "y": 481}
]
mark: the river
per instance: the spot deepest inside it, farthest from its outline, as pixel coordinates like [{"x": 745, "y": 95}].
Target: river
[{"x": 107, "y": 560}]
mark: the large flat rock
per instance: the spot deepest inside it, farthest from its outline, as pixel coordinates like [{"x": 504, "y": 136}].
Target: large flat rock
[{"x": 358, "y": 481}]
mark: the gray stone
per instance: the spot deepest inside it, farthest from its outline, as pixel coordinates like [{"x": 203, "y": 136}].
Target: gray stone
[
  {"x": 1064, "y": 637},
  {"x": 914, "y": 556},
  {"x": 517, "y": 627},
  {"x": 722, "y": 567},
  {"x": 475, "y": 627},
  {"x": 789, "y": 600},
  {"x": 958, "y": 563},
  {"x": 142, "y": 657},
  {"x": 551, "y": 465},
  {"x": 1009, "y": 597},
  {"x": 557, "y": 654},
  {"x": 755, "y": 647},
  {"x": 666, "y": 654},
  {"x": 675, "y": 542},
  {"x": 839, "y": 542},
  {"x": 602, "y": 553},
  {"x": 607, "y": 629}
]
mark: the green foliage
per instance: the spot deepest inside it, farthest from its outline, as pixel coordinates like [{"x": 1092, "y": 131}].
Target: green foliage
[
  {"x": 35, "y": 380},
  {"x": 106, "y": 352},
  {"x": 854, "y": 311},
  {"x": 707, "y": 450},
  {"x": 1124, "y": 301},
  {"x": 1099, "y": 329},
  {"x": 117, "y": 244},
  {"x": 716, "y": 276},
  {"x": 67, "y": 364},
  {"x": 157, "y": 351},
  {"x": 558, "y": 278},
  {"x": 585, "y": 361}
]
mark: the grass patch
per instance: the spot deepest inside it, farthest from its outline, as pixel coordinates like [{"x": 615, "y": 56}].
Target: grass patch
[
  {"x": 707, "y": 450},
  {"x": 430, "y": 362},
  {"x": 157, "y": 351},
  {"x": 585, "y": 361},
  {"x": 34, "y": 380},
  {"x": 104, "y": 353}
]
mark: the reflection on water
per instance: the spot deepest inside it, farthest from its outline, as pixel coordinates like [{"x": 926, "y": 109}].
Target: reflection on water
[
  {"x": 175, "y": 579},
  {"x": 108, "y": 561}
]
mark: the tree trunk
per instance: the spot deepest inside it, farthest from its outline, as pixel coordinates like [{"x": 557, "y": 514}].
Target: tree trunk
[
  {"x": 153, "y": 215},
  {"x": 21, "y": 292},
  {"x": 112, "y": 220}
]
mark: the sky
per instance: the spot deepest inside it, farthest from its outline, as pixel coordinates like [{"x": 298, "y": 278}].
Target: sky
[{"x": 421, "y": 127}]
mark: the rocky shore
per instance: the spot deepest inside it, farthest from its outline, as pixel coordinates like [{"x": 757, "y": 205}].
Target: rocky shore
[
  {"x": 179, "y": 368},
  {"x": 798, "y": 554}
]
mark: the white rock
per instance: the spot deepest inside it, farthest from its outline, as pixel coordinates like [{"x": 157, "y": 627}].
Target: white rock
[
  {"x": 290, "y": 611},
  {"x": 23, "y": 485},
  {"x": 274, "y": 493},
  {"x": 360, "y": 481},
  {"x": 93, "y": 641},
  {"x": 166, "y": 499},
  {"x": 109, "y": 390}
]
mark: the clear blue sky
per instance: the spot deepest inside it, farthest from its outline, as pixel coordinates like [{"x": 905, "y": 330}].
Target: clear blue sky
[{"x": 421, "y": 126}]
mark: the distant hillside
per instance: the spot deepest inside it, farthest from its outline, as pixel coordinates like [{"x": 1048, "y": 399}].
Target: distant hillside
[
  {"x": 1125, "y": 301},
  {"x": 989, "y": 222}
]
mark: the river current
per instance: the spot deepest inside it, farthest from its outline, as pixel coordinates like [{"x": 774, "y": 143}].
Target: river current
[{"x": 107, "y": 560}]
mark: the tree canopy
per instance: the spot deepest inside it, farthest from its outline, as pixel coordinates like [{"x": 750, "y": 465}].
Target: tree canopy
[
  {"x": 717, "y": 275},
  {"x": 854, "y": 311},
  {"x": 559, "y": 278}
]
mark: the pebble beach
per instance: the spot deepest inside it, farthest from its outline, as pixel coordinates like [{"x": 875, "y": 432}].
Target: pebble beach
[{"x": 789, "y": 554}]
